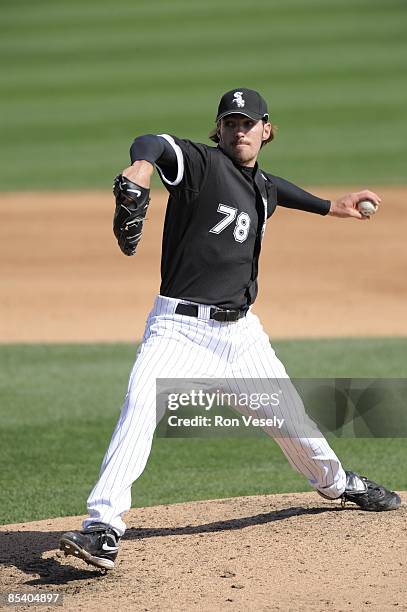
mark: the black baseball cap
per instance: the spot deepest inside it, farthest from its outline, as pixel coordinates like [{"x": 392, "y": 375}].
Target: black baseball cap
[{"x": 243, "y": 101}]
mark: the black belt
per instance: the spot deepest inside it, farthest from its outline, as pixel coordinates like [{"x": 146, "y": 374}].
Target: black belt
[{"x": 218, "y": 314}]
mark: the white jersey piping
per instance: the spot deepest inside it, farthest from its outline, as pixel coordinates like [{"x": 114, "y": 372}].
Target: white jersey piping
[{"x": 180, "y": 161}]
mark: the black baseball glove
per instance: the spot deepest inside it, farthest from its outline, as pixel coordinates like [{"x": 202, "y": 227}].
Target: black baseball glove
[{"x": 131, "y": 207}]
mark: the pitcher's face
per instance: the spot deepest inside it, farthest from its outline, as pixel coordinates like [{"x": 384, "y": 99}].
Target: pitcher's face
[{"x": 241, "y": 138}]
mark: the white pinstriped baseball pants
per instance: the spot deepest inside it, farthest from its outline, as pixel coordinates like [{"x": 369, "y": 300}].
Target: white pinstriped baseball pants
[{"x": 179, "y": 346}]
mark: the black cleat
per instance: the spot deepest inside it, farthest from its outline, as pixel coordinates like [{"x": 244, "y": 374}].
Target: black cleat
[
  {"x": 369, "y": 495},
  {"x": 98, "y": 545}
]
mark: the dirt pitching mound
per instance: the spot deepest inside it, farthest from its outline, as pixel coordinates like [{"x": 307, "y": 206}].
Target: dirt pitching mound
[{"x": 270, "y": 552}]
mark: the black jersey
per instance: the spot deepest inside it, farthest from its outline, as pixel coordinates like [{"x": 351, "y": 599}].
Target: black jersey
[{"x": 215, "y": 221}]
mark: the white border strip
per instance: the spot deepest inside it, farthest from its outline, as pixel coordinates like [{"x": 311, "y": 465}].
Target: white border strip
[
  {"x": 180, "y": 161},
  {"x": 263, "y": 229}
]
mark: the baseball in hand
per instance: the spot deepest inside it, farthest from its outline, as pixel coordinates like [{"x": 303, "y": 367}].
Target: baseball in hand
[{"x": 366, "y": 208}]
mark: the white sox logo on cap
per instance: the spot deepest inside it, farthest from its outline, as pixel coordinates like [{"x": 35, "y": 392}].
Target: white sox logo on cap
[
  {"x": 243, "y": 101},
  {"x": 237, "y": 97}
]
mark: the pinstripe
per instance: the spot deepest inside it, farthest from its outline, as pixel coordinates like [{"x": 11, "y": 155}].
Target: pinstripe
[
  {"x": 159, "y": 361},
  {"x": 288, "y": 445},
  {"x": 309, "y": 456},
  {"x": 179, "y": 346}
]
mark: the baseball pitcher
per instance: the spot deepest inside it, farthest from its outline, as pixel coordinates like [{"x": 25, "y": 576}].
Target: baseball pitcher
[{"x": 201, "y": 324}]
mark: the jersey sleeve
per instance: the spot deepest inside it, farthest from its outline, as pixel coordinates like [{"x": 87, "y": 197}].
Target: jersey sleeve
[
  {"x": 291, "y": 196},
  {"x": 192, "y": 162}
]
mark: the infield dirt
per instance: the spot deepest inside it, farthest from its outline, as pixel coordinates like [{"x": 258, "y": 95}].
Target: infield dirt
[
  {"x": 277, "y": 552},
  {"x": 63, "y": 277}
]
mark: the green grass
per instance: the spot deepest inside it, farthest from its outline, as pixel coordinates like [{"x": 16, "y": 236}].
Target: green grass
[
  {"x": 59, "y": 403},
  {"x": 81, "y": 79}
]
